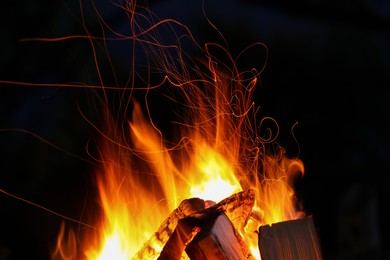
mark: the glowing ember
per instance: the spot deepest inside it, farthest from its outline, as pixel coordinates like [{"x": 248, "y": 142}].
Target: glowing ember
[{"x": 220, "y": 151}]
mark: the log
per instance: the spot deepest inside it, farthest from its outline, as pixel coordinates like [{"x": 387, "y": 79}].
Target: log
[
  {"x": 185, "y": 231},
  {"x": 218, "y": 240},
  {"x": 238, "y": 207},
  {"x": 213, "y": 224},
  {"x": 290, "y": 240},
  {"x": 151, "y": 249}
]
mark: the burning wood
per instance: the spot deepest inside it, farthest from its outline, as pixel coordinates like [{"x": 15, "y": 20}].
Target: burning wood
[
  {"x": 218, "y": 240},
  {"x": 213, "y": 233},
  {"x": 186, "y": 230},
  {"x": 238, "y": 207},
  {"x": 152, "y": 247},
  {"x": 218, "y": 224},
  {"x": 190, "y": 217}
]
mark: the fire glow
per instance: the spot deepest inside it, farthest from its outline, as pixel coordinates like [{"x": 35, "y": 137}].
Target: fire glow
[{"x": 220, "y": 148}]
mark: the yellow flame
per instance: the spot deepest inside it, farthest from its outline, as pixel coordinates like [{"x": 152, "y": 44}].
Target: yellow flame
[
  {"x": 215, "y": 180},
  {"x": 66, "y": 245},
  {"x": 113, "y": 248}
]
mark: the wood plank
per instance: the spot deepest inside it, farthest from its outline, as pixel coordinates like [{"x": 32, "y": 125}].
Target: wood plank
[{"x": 290, "y": 240}]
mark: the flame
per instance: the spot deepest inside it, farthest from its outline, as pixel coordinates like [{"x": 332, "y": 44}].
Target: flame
[
  {"x": 220, "y": 151},
  {"x": 66, "y": 245},
  {"x": 216, "y": 180}
]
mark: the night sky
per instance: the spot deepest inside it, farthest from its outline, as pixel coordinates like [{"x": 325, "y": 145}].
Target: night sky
[{"x": 328, "y": 70}]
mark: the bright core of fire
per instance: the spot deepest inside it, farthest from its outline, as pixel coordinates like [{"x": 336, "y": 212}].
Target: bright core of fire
[
  {"x": 114, "y": 249},
  {"x": 217, "y": 180}
]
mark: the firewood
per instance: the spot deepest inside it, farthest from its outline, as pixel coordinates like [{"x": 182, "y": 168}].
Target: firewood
[
  {"x": 185, "y": 231},
  {"x": 151, "y": 249},
  {"x": 238, "y": 207},
  {"x": 218, "y": 240},
  {"x": 213, "y": 225},
  {"x": 290, "y": 240}
]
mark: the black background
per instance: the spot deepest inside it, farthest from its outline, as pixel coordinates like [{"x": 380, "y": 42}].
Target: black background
[{"x": 328, "y": 69}]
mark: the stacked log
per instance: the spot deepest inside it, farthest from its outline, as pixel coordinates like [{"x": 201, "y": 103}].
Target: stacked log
[{"x": 204, "y": 230}]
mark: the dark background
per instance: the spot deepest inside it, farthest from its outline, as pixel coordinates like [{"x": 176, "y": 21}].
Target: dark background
[{"x": 328, "y": 69}]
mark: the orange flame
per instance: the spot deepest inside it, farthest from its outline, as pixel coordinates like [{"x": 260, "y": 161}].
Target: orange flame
[{"x": 220, "y": 151}]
